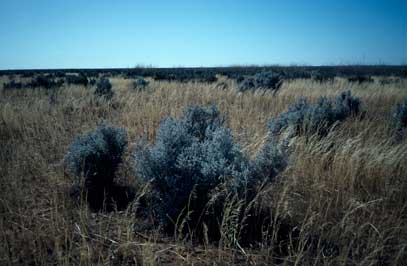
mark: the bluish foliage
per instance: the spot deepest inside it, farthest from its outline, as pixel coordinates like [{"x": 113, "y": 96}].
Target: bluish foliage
[
  {"x": 346, "y": 105},
  {"x": 192, "y": 154},
  {"x": 140, "y": 84},
  {"x": 92, "y": 81},
  {"x": 262, "y": 80},
  {"x": 104, "y": 88},
  {"x": 96, "y": 156},
  {"x": 399, "y": 120},
  {"x": 323, "y": 75},
  {"x": 269, "y": 162},
  {"x": 12, "y": 85},
  {"x": 247, "y": 84},
  {"x": 360, "y": 79},
  {"x": 268, "y": 80},
  {"x": 46, "y": 81},
  {"x": 294, "y": 117},
  {"x": 42, "y": 81},
  {"x": 79, "y": 79},
  {"x": 318, "y": 117}
]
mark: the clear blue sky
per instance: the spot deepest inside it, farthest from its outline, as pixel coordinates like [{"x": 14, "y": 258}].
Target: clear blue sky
[{"x": 166, "y": 33}]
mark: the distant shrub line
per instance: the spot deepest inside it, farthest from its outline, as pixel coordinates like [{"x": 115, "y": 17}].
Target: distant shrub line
[{"x": 358, "y": 74}]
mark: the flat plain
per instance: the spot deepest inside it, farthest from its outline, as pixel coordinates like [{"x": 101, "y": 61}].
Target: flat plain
[{"x": 344, "y": 195}]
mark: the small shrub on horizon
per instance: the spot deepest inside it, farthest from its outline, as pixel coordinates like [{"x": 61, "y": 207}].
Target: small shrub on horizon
[
  {"x": 360, "y": 79},
  {"x": 268, "y": 80},
  {"x": 45, "y": 81},
  {"x": 140, "y": 84},
  {"x": 12, "y": 85},
  {"x": 79, "y": 79},
  {"x": 322, "y": 76},
  {"x": 104, "y": 89},
  {"x": 263, "y": 80},
  {"x": 92, "y": 82}
]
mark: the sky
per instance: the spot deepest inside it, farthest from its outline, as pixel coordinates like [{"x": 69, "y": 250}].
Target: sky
[{"x": 40, "y": 34}]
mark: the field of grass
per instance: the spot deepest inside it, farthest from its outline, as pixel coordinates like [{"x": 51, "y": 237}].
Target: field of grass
[{"x": 345, "y": 195}]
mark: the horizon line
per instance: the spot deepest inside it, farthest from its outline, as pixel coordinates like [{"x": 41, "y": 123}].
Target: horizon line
[{"x": 142, "y": 66}]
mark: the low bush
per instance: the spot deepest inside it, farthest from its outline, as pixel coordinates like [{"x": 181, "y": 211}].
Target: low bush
[
  {"x": 399, "y": 121},
  {"x": 140, "y": 84},
  {"x": 46, "y": 82},
  {"x": 263, "y": 80},
  {"x": 269, "y": 162},
  {"x": 79, "y": 79},
  {"x": 194, "y": 153},
  {"x": 104, "y": 89},
  {"x": 296, "y": 74},
  {"x": 208, "y": 78},
  {"x": 248, "y": 84},
  {"x": 192, "y": 158},
  {"x": 96, "y": 157},
  {"x": 42, "y": 81},
  {"x": 322, "y": 76},
  {"x": 268, "y": 80},
  {"x": 360, "y": 79},
  {"x": 92, "y": 82},
  {"x": 319, "y": 117},
  {"x": 12, "y": 85}
]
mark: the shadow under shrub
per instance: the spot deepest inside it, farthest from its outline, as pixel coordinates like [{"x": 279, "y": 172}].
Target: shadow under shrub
[{"x": 96, "y": 157}]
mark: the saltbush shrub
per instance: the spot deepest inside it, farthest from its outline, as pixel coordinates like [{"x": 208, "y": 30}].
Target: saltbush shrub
[
  {"x": 319, "y": 117},
  {"x": 45, "y": 81},
  {"x": 192, "y": 154},
  {"x": 140, "y": 84},
  {"x": 322, "y": 76},
  {"x": 208, "y": 78},
  {"x": 92, "y": 81},
  {"x": 263, "y": 80},
  {"x": 191, "y": 159},
  {"x": 96, "y": 157},
  {"x": 296, "y": 74},
  {"x": 399, "y": 121},
  {"x": 79, "y": 79},
  {"x": 104, "y": 88},
  {"x": 12, "y": 85},
  {"x": 360, "y": 79},
  {"x": 269, "y": 162},
  {"x": 247, "y": 84},
  {"x": 268, "y": 80}
]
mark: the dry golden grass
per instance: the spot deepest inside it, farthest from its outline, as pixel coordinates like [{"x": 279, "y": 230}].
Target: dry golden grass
[{"x": 349, "y": 188}]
